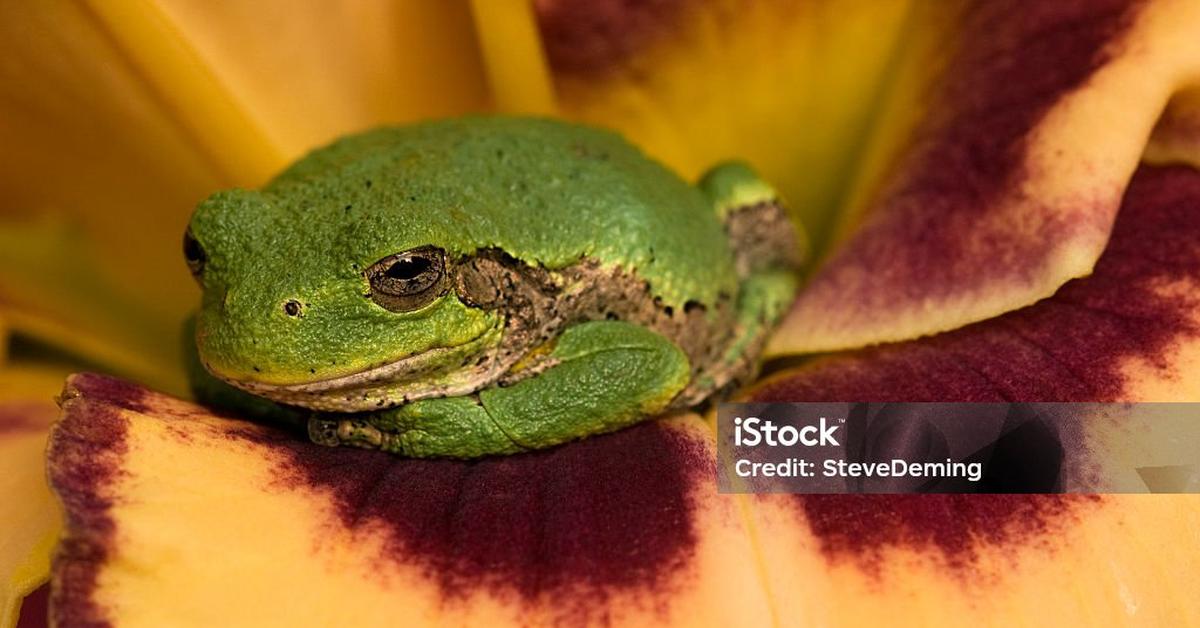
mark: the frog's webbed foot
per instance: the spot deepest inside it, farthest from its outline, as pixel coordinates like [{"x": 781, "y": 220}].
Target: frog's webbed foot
[
  {"x": 350, "y": 432},
  {"x": 447, "y": 427}
]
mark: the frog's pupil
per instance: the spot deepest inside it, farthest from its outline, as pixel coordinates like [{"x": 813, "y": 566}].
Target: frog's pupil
[{"x": 408, "y": 268}]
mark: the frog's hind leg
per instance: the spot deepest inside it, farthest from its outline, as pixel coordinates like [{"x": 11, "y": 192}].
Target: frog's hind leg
[
  {"x": 763, "y": 237},
  {"x": 768, "y": 252}
]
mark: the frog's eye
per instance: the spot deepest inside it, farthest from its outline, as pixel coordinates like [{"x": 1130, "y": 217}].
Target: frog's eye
[
  {"x": 194, "y": 254},
  {"x": 410, "y": 280}
]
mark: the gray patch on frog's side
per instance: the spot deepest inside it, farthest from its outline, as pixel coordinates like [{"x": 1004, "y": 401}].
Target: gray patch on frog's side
[
  {"x": 539, "y": 305},
  {"x": 589, "y": 291},
  {"x": 701, "y": 332},
  {"x": 763, "y": 237}
]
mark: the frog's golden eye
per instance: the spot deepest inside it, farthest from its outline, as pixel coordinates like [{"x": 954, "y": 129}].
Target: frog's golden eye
[
  {"x": 194, "y": 254},
  {"x": 410, "y": 280}
]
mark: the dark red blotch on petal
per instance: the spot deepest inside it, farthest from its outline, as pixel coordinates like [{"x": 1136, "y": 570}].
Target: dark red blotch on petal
[
  {"x": 1014, "y": 60},
  {"x": 84, "y": 452},
  {"x": 1070, "y": 347},
  {"x": 35, "y": 609},
  {"x": 592, "y": 36},
  {"x": 582, "y": 520},
  {"x": 861, "y": 526},
  {"x": 110, "y": 390},
  {"x": 25, "y": 416},
  {"x": 930, "y": 232}
]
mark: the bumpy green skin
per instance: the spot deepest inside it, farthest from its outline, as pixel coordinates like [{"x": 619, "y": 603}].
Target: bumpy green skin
[
  {"x": 611, "y": 375},
  {"x": 546, "y": 193}
]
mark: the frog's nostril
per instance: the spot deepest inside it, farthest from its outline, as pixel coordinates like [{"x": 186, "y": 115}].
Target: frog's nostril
[{"x": 292, "y": 308}]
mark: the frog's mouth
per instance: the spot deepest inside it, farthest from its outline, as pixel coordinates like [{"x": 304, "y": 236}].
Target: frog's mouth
[{"x": 438, "y": 372}]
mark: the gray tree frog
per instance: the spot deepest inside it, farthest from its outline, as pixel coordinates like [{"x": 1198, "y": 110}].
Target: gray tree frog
[{"x": 484, "y": 285}]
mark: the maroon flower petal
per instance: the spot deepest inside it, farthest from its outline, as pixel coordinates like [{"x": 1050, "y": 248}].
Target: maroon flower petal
[
  {"x": 1007, "y": 183},
  {"x": 1130, "y": 332}
]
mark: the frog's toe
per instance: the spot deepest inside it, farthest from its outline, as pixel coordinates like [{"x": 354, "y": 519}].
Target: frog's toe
[
  {"x": 357, "y": 432},
  {"x": 323, "y": 431}
]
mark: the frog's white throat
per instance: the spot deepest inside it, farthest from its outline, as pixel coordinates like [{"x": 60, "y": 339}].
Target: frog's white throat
[{"x": 421, "y": 376}]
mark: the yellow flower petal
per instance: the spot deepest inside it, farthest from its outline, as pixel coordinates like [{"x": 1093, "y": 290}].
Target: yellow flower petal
[
  {"x": 982, "y": 560},
  {"x": 118, "y": 117},
  {"x": 156, "y": 488},
  {"x": 512, "y": 53},
  {"x": 31, "y": 517},
  {"x": 50, "y": 290},
  {"x": 1176, "y": 137},
  {"x": 990, "y": 186},
  {"x": 625, "y": 528},
  {"x": 90, "y": 156},
  {"x": 306, "y": 74},
  {"x": 1129, "y": 332},
  {"x": 789, "y": 87}
]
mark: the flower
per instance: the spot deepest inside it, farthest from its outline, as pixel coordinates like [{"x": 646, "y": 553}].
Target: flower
[{"x": 1003, "y": 193}]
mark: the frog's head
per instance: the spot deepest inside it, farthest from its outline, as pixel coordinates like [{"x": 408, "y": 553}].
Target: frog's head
[{"x": 326, "y": 297}]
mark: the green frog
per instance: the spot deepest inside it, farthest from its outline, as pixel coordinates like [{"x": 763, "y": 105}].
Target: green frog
[{"x": 484, "y": 286}]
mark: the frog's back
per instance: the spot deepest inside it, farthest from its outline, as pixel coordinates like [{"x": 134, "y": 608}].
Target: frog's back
[{"x": 544, "y": 191}]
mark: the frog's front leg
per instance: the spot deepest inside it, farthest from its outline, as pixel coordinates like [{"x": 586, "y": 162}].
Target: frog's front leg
[
  {"x": 456, "y": 427},
  {"x": 602, "y": 376}
]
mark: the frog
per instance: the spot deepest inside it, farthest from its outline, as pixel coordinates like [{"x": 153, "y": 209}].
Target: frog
[{"x": 485, "y": 285}]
